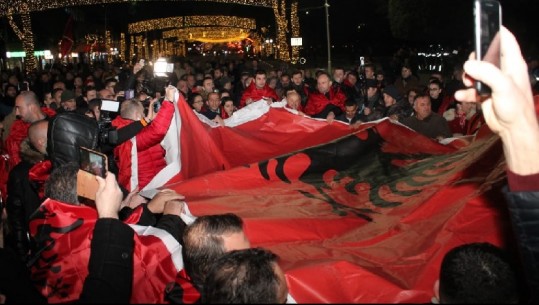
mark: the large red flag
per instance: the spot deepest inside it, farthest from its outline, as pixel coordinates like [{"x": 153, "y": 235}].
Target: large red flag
[{"x": 356, "y": 216}]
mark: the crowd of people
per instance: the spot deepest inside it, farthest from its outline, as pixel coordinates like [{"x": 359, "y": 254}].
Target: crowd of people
[{"x": 63, "y": 109}]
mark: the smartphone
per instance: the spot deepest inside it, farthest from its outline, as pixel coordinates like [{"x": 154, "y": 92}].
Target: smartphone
[
  {"x": 487, "y": 22},
  {"x": 93, "y": 162},
  {"x": 129, "y": 94}
]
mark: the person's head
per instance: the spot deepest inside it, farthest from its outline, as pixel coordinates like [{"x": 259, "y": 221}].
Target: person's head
[
  {"x": 37, "y": 135},
  {"x": 260, "y": 79},
  {"x": 62, "y": 183},
  {"x": 196, "y": 101},
  {"x": 323, "y": 82},
  {"x": 182, "y": 86},
  {"x": 228, "y": 104},
  {"x": 47, "y": 98},
  {"x": 132, "y": 110},
  {"x": 213, "y": 102},
  {"x": 207, "y": 239},
  {"x": 369, "y": 71},
  {"x": 285, "y": 80},
  {"x": 422, "y": 106},
  {"x": 89, "y": 93},
  {"x": 11, "y": 90},
  {"x": 110, "y": 84},
  {"x": 391, "y": 95},
  {"x": 350, "y": 108},
  {"x": 467, "y": 107},
  {"x": 338, "y": 74},
  {"x": 435, "y": 88},
  {"x": 106, "y": 94},
  {"x": 191, "y": 80},
  {"x": 217, "y": 73},
  {"x": 479, "y": 273},
  {"x": 293, "y": 99},
  {"x": 411, "y": 94},
  {"x": 67, "y": 100},
  {"x": 250, "y": 276},
  {"x": 27, "y": 107},
  {"x": 207, "y": 84},
  {"x": 372, "y": 87},
  {"x": 406, "y": 71},
  {"x": 59, "y": 84},
  {"x": 297, "y": 77},
  {"x": 94, "y": 108},
  {"x": 272, "y": 82},
  {"x": 57, "y": 96}
]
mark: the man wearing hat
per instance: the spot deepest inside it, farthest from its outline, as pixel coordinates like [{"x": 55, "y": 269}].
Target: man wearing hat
[
  {"x": 67, "y": 101},
  {"x": 393, "y": 102},
  {"x": 374, "y": 103}
]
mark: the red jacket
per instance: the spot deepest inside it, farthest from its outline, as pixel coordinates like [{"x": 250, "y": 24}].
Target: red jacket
[
  {"x": 17, "y": 133},
  {"x": 318, "y": 101},
  {"x": 150, "y": 153},
  {"x": 256, "y": 94}
]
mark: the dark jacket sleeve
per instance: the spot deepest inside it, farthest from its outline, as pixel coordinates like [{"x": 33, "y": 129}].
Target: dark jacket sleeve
[
  {"x": 524, "y": 213},
  {"x": 21, "y": 202},
  {"x": 173, "y": 224},
  {"x": 110, "y": 276}
]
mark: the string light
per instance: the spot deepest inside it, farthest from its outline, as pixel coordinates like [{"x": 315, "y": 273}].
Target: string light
[
  {"x": 282, "y": 29},
  {"x": 207, "y": 34},
  {"x": 294, "y": 22},
  {"x": 108, "y": 45},
  {"x": 132, "y": 47},
  {"x": 26, "y": 35},
  {"x": 42, "y": 5},
  {"x": 190, "y": 21},
  {"x": 122, "y": 46}
]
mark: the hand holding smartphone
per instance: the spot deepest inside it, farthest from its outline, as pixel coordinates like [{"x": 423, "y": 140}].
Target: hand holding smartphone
[
  {"x": 91, "y": 164},
  {"x": 487, "y": 22}
]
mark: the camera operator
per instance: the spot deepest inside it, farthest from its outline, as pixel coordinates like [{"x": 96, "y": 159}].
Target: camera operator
[
  {"x": 149, "y": 153},
  {"x": 109, "y": 137}
]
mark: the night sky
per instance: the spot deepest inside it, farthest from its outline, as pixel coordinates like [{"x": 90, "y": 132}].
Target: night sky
[{"x": 352, "y": 22}]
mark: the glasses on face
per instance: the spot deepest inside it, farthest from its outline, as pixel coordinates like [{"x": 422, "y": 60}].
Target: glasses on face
[{"x": 198, "y": 102}]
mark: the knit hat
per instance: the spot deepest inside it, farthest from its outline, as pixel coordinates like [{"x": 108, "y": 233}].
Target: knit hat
[
  {"x": 392, "y": 91},
  {"x": 67, "y": 95}
]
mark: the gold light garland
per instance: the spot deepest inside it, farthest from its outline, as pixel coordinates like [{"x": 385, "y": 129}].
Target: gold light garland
[
  {"x": 132, "y": 47},
  {"x": 294, "y": 22},
  {"x": 42, "y": 5},
  {"x": 282, "y": 29},
  {"x": 108, "y": 45},
  {"x": 207, "y": 34},
  {"x": 190, "y": 21},
  {"x": 122, "y": 46},
  {"x": 26, "y": 35}
]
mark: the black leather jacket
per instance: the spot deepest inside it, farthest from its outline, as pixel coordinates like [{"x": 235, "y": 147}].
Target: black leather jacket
[
  {"x": 22, "y": 200},
  {"x": 524, "y": 213}
]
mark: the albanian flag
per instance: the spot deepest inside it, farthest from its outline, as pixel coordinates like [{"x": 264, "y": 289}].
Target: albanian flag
[
  {"x": 356, "y": 216},
  {"x": 66, "y": 43}
]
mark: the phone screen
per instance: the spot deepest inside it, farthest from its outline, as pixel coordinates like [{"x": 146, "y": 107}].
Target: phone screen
[
  {"x": 488, "y": 19},
  {"x": 93, "y": 162}
]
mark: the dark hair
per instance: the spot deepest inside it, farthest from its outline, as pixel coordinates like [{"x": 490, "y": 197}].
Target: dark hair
[
  {"x": 204, "y": 244},
  {"x": 260, "y": 71},
  {"x": 243, "y": 277},
  {"x": 62, "y": 183},
  {"x": 191, "y": 99},
  {"x": 477, "y": 273}
]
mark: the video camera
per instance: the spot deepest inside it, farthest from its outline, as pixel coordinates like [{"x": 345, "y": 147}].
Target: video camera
[{"x": 107, "y": 134}]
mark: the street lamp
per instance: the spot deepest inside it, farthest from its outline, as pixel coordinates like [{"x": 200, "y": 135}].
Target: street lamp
[{"x": 327, "y": 32}]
